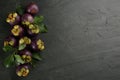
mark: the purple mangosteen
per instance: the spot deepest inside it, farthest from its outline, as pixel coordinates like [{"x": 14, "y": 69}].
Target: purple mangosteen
[
  {"x": 26, "y": 55},
  {"x": 13, "y": 19},
  {"x": 37, "y": 45},
  {"x": 27, "y": 18},
  {"x": 33, "y": 30},
  {"x": 10, "y": 40},
  {"x": 17, "y": 30},
  {"x": 22, "y": 70},
  {"x": 32, "y": 8}
]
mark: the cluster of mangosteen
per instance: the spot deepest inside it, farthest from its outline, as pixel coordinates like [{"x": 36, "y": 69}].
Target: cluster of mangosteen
[{"x": 23, "y": 38}]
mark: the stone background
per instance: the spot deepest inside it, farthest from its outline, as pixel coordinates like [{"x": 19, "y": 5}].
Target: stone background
[{"x": 83, "y": 42}]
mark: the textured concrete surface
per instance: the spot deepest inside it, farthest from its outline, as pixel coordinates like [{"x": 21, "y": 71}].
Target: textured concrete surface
[{"x": 83, "y": 42}]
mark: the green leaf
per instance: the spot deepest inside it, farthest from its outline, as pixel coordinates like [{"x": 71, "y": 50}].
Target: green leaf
[
  {"x": 37, "y": 56},
  {"x": 19, "y": 59},
  {"x": 38, "y": 19},
  {"x": 8, "y": 48},
  {"x": 9, "y": 61},
  {"x": 20, "y": 10},
  {"x": 33, "y": 62},
  {"x": 22, "y": 46},
  {"x": 43, "y": 28}
]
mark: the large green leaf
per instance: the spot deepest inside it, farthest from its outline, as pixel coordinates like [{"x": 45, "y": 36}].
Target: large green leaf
[
  {"x": 19, "y": 59},
  {"x": 37, "y": 56},
  {"x": 22, "y": 46},
  {"x": 9, "y": 61},
  {"x": 20, "y": 10},
  {"x": 34, "y": 62},
  {"x": 43, "y": 28},
  {"x": 8, "y": 48},
  {"x": 38, "y": 19}
]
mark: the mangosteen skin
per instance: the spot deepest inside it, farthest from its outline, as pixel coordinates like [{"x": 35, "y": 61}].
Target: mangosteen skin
[
  {"x": 34, "y": 46},
  {"x": 21, "y": 31},
  {"x": 25, "y": 52},
  {"x": 17, "y": 21},
  {"x": 32, "y": 8},
  {"x": 31, "y": 34},
  {"x": 27, "y": 17},
  {"x": 19, "y": 67},
  {"x": 11, "y": 38}
]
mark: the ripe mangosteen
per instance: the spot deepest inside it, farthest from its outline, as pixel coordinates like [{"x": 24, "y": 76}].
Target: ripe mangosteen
[
  {"x": 37, "y": 45},
  {"x": 27, "y": 18},
  {"x": 26, "y": 55},
  {"x": 10, "y": 40},
  {"x": 22, "y": 70},
  {"x": 32, "y": 8},
  {"x": 13, "y": 19},
  {"x": 17, "y": 30}
]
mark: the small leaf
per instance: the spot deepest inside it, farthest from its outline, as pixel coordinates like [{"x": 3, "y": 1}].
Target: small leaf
[
  {"x": 33, "y": 62},
  {"x": 22, "y": 46},
  {"x": 20, "y": 10},
  {"x": 9, "y": 61},
  {"x": 43, "y": 28},
  {"x": 38, "y": 19},
  {"x": 19, "y": 59},
  {"x": 37, "y": 56},
  {"x": 8, "y": 48}
]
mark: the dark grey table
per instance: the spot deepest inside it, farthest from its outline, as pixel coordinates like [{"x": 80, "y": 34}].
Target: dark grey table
[{"x": 83, "y": 42}]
